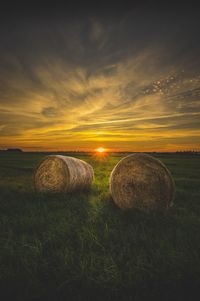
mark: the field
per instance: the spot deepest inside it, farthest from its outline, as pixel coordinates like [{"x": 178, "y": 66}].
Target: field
[{"x": 82, "y": 247}]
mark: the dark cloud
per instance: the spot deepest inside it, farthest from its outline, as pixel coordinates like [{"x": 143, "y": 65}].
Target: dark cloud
[{"x": 49, "y": 112}]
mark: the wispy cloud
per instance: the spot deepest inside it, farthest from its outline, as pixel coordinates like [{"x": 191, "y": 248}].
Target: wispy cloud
[{"x": 86, "y": 88}]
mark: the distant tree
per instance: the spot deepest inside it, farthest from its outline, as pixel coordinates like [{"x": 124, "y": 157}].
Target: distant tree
[{"x": 14, "y": 150}]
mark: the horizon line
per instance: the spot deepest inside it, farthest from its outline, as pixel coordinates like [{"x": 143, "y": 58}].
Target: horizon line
[{"x": 94, "y": 151}]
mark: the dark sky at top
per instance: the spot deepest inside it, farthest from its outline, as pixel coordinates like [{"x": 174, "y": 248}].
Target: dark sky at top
[{"x": 125, "y": 76}]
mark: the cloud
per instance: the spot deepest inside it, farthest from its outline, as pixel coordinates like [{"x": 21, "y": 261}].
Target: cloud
[{"x": 82, "y": 82}]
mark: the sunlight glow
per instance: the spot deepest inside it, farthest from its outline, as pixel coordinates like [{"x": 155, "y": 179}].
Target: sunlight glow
[{"x": 101, "y": 150}]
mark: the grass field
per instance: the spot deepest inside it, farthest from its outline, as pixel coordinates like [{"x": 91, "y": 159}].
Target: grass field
[{"x": 82, "y": 247}]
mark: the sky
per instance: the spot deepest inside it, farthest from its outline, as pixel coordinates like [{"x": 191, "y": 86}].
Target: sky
[{"x": 127, "y": 79}]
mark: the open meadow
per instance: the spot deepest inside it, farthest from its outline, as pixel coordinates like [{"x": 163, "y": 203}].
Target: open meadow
[{"x": 82, "y": 247}]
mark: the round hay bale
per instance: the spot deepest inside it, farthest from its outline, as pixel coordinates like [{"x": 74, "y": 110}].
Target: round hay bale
[
  {"x": 141, "y": 181},
  {"x": 63, "y": 174}
]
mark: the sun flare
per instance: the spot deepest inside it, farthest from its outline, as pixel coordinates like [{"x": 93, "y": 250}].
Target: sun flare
[{"x": 101, "y": 150}]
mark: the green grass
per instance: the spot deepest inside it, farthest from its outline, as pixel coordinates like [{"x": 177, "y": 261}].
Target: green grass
[{"x": 82, "y": 247}]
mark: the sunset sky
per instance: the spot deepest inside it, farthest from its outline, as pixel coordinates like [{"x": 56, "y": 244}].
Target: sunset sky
[{"x": 126, "y": 80}]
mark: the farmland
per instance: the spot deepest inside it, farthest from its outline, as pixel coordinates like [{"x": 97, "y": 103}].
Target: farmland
[{"x": 83, "y": 247}]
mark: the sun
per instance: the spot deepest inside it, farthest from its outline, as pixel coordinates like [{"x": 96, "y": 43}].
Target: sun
[
  {"x": 101, "y": 150},
  {"x": 101, "y": 153}
]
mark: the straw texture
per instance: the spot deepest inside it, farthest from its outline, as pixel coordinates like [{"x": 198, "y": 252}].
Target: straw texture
[
  {"x": 141, "y": 181},
  {"x": 63, "y": 174}
]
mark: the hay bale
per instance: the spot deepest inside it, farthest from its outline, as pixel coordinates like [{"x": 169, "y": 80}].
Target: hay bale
[
  {"x": 63, "y": 174},
  {"x": 143, "y": 182}
]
